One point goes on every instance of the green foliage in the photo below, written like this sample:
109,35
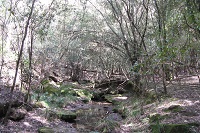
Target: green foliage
67,91
136,67
45,81
85,94
54,100
121,109
150,97
50,89
61,96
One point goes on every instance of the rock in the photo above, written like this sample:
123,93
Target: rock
67,116
50,89
85,100
84,81
114,99
67,90
41,104
29,107
188,113
108,83
98,95
173,128
17,114
114,117
157,117
84,94
17,103
174,109
45,130
3,108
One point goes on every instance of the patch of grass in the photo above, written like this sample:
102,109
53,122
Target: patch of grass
173,128
106,126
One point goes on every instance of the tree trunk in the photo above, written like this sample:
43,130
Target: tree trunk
18,62
164,79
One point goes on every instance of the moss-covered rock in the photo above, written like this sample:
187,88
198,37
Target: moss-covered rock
69,89
50,89
45,130
114,99
41,104
173,128
85,95
67,116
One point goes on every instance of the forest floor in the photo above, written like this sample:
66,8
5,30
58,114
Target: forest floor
98,115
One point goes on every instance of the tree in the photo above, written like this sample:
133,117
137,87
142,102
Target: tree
127,21
18,61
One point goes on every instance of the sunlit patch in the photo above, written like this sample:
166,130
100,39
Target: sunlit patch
178,102
188,103
27,124
38,118
121,98
128,125
102,103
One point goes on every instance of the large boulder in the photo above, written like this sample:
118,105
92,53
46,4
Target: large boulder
17,114
5,95
115,99
65,115
49,87
4,106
